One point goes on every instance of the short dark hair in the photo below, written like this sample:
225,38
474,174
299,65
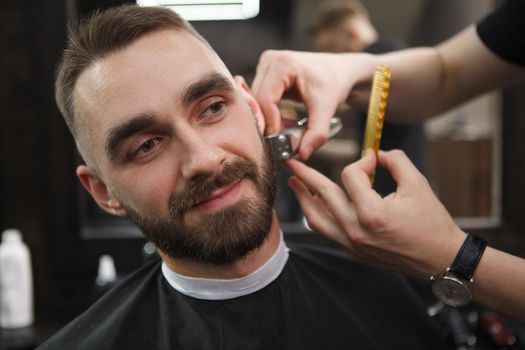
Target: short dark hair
98,35
334,13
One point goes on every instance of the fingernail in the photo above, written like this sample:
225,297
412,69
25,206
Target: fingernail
308,150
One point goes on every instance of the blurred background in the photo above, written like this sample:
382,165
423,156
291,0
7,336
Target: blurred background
474,156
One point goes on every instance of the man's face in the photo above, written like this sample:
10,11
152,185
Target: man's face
175,143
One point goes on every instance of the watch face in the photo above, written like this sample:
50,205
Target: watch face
452,291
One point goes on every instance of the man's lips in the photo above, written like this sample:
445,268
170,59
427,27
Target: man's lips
220,197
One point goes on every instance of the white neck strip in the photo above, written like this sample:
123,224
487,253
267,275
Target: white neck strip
222,289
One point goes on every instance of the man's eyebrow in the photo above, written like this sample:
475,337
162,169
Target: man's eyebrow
209,83
121,132
193,92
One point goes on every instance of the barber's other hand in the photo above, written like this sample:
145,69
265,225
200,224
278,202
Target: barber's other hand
322,81
408,231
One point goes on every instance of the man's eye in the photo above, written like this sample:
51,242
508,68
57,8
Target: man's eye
144,149
214,110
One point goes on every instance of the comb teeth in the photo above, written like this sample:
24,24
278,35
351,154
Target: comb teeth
376,110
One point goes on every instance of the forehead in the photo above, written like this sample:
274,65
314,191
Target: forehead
149,73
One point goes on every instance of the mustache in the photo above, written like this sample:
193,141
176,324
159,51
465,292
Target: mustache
203,186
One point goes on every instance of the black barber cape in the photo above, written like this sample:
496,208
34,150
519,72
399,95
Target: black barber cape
321,300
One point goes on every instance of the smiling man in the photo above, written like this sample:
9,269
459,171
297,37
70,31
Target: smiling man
173,141
162,150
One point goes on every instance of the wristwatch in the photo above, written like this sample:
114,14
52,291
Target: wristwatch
453,286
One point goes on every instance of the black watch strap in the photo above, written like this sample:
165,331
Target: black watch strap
468,257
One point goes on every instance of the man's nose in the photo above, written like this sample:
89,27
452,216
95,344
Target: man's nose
201,157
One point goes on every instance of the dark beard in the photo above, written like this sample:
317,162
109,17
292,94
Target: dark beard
225,236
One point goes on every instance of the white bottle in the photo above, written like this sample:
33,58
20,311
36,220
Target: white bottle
16,284
106,270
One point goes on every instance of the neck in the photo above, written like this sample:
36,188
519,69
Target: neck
364,33
369,38
237,269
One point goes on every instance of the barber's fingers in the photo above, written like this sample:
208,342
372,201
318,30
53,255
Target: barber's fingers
267,93
319,115
403,171
273,77
272,117
260,72
317,215
356,178
330,193
356,181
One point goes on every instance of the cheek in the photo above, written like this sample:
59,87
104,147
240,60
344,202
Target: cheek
249,146
147,189
240,135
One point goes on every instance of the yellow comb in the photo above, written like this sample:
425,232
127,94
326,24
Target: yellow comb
376,110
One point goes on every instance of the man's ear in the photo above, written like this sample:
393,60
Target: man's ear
100,192
254,106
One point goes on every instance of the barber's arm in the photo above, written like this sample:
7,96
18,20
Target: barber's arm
408,231
428,81
425,81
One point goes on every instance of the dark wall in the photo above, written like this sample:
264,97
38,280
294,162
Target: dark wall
36,181
514,167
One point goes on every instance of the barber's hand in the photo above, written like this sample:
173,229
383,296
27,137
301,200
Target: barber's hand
322,81
408,231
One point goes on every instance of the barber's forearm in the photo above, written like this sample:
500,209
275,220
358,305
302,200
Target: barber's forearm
428,81
499,279
417,84
499,283
420,86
